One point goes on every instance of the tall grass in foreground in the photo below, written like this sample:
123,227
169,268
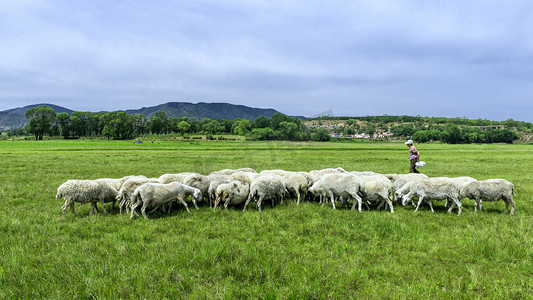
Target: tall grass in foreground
288,251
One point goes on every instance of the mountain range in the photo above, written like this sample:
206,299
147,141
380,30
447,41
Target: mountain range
14,118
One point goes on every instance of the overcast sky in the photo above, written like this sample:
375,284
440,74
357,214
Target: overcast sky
449,58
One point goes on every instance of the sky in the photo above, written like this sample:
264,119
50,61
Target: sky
470,59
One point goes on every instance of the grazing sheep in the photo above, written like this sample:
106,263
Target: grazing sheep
400,180
126,191
179,177
265,187
234,192
243,176
118,182
490,190
297,184
153,194
377,188
84,191
437,188
344,185
216,180
200,182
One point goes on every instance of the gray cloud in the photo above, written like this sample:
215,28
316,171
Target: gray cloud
429,58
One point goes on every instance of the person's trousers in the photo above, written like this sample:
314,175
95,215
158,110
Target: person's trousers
412,167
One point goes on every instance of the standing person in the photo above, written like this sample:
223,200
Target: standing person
414,157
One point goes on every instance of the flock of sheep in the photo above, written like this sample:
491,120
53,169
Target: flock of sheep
244,185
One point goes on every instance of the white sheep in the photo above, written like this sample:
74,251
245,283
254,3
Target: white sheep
247,177
297,184
216,180
437,188
377,188
344,185
126,191
400,180
265,187
155,194
234,192
200,182
85,191
118,182
490,190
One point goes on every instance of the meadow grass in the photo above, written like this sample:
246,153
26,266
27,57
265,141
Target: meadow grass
288,251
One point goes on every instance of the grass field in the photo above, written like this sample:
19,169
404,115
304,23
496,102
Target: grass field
288,251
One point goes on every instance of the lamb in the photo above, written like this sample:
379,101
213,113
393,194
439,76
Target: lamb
84,191
265,187
234,192
151,194
439,188
341,185
179,177
490,190
377,188
297,184
127,189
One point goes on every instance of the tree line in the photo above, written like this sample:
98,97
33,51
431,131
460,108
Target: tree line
43,120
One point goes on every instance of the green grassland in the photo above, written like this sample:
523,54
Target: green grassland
288,251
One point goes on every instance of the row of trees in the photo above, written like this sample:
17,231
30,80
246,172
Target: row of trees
454,134
119,125
418,120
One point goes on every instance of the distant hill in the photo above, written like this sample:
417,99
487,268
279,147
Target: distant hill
14,118
202,110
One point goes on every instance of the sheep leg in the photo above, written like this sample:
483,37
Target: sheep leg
143,210
389,202
419,202
217,201
93,205
247,201
431,205
226,203
180,199
459,206
332,200
103,206
380,204
512,203
134,206
259,201
298,194
71,206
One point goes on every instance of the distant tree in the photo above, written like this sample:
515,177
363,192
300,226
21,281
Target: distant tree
184,127
212,127
159,123
288,131
322,135
63,121
241,127
41,119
